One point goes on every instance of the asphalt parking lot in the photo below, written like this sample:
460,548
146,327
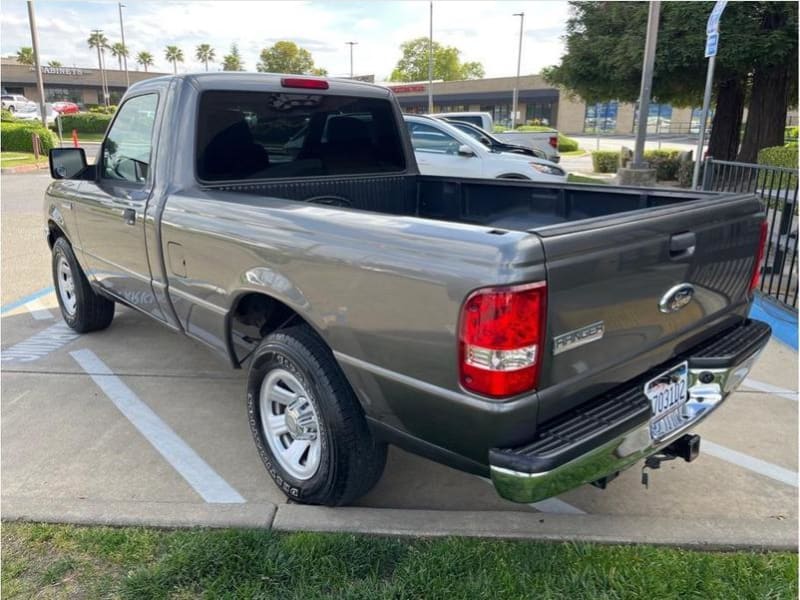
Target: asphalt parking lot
137,424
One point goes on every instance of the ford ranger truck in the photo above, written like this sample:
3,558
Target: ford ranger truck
547,335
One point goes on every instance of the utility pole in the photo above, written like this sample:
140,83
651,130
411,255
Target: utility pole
515,100
430,63
36,63
351,44
124,56
646,89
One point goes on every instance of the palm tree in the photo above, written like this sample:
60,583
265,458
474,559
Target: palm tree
145,59
99,41
174,55
25,55
119,51
205,53
54,63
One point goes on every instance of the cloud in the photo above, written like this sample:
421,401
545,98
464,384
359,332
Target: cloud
483,31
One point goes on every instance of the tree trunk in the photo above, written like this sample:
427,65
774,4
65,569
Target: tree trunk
727,121
766,114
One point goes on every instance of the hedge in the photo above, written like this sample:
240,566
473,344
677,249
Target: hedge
566,144
665,162
605,161
102,109
7,116
85,123
16,137
778,156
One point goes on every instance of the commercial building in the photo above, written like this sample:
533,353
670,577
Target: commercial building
74,84
540,103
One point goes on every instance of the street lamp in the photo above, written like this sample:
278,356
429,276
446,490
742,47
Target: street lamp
124,47
37,64
351,44
515,100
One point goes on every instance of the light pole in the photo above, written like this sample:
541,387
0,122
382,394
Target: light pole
351,44
647,83
124,47
514,102
36,63
430,63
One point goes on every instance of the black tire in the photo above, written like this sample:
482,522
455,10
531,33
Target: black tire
11,108
92,311
351,460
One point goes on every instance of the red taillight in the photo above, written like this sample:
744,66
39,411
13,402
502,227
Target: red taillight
302,82
554,141
760,252
501,338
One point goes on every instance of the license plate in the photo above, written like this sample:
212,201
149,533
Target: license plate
667,393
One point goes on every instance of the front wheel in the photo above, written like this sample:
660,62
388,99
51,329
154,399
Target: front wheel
81,307
307,423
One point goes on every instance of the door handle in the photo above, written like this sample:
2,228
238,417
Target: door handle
129,215
682,245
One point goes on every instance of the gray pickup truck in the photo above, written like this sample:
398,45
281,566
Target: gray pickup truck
546,335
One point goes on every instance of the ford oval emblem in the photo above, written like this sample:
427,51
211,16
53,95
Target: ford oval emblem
676,298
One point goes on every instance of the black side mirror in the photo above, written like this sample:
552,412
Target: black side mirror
67,163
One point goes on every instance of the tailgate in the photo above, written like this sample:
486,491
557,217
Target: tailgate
618,276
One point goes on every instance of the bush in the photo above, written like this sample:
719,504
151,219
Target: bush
566,144
685,173
16,136
102,109
500,129
7,116
85,123
665,162
790,135
778,156
605,161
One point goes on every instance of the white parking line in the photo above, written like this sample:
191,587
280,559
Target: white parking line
770,389
551,505
750,463
38,310
188,464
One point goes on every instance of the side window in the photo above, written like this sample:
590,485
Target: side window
425,138
126,150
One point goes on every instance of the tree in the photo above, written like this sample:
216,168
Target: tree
287,57
25,55
54,63
605,45
447,65
119,51
145,59
174,55
204,53
233,61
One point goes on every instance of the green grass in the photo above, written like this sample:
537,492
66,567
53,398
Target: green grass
572,178
16,159
55,561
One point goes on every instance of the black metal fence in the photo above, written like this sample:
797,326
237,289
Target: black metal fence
777,186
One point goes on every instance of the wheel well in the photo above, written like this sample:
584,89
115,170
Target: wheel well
254,317
512,176
54,232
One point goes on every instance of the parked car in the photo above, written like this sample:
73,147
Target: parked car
479,119
66,108
15,102
544,333
442,149
491,142
32,112
546,141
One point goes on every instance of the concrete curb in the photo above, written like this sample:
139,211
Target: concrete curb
695,533
23,169
149,514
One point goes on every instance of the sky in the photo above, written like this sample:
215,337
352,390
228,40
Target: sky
483,31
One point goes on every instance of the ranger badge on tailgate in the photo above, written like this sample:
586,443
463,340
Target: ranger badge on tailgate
578,337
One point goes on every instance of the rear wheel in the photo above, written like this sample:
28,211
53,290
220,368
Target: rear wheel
307,423
11,108
82,309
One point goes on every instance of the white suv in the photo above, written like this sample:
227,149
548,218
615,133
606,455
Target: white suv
14,102
443,150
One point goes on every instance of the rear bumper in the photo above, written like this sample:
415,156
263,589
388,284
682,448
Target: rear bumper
612,432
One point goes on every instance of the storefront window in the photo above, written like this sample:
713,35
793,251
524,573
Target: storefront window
601,117
63,94
694,126
446,108
659,118
501,113
541,113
